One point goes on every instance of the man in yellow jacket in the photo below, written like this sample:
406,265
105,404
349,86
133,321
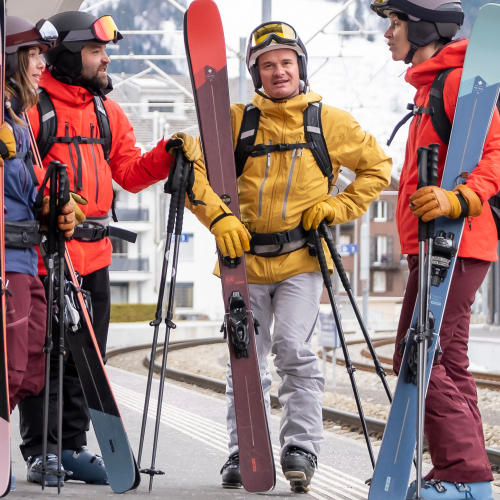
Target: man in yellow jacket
285,191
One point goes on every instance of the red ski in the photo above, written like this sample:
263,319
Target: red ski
206,53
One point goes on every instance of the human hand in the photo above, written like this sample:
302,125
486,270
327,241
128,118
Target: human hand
7,141
190,146
316,214
231,236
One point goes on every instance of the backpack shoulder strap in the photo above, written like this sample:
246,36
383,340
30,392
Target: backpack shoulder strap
439,118
104,127
314,135
246,137
48,122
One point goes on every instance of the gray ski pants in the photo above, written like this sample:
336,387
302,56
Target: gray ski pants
293,304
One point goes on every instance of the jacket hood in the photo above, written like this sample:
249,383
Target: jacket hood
451,55
71,94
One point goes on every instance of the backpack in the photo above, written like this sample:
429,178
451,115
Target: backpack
48,127
245,146
442,126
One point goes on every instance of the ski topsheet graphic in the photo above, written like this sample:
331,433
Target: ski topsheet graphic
477,99
206,52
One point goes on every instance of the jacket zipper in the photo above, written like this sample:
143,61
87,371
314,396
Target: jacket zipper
266,175
75,174
95,163
295,153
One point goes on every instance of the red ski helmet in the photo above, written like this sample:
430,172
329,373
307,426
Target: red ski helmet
20,33
428,20
271,36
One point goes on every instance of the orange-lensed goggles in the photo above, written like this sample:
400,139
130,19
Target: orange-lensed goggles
105,30
280,32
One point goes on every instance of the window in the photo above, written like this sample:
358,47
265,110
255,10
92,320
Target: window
379,211
162,106
119,293
381,250
119,246
379,281
184,295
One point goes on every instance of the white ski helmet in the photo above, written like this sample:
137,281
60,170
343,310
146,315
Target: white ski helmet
428,20
271,36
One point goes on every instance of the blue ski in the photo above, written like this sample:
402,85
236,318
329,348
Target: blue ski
477,97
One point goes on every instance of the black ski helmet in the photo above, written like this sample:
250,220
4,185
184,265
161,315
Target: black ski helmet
77,29
428,20
271,36
20,33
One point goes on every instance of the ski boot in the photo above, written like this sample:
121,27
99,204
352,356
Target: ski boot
298,467
231,477
444,490
85,466
34,472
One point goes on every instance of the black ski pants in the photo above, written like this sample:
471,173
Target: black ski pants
76,417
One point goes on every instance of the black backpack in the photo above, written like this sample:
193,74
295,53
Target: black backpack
48,127
313,130
442,126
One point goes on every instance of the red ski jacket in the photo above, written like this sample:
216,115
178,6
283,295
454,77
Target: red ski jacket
479,239
132,170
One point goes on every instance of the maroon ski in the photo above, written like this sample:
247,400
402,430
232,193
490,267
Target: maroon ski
206,53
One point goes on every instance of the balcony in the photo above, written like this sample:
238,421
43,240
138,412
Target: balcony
123,263
385,263
132,214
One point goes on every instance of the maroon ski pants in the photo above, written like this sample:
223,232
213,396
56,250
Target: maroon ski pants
453,426
26,318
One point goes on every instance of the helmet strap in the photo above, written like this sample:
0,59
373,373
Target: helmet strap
410,54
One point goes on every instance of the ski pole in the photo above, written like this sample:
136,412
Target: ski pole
62,199
51,246
427,175
176,186
348,363
327,235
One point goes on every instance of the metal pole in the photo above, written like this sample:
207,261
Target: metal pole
364,254
242,81
266,10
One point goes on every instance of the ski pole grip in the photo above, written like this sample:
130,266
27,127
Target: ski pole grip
62,185
184,166
433,163
325,232
172,187
422,166
321,259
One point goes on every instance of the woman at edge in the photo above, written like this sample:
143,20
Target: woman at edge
25,298
418,36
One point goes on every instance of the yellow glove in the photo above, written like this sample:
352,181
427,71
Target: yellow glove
77,200
430,202
7,141
190,146
316,214
66,219
231,236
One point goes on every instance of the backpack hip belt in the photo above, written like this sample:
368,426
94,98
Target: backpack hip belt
274,244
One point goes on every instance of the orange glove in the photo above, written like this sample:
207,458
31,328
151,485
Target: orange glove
316,214
430,202
231,236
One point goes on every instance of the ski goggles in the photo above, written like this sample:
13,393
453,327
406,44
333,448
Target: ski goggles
103,30
278,32
44,32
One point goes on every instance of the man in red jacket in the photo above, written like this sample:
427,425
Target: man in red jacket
418,35
76,74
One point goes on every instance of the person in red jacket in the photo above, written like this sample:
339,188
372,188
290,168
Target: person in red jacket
418,36
77,72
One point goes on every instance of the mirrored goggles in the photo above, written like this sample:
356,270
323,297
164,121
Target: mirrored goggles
43,32
47,30
279,32
103,30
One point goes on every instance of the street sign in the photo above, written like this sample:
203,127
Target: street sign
348,249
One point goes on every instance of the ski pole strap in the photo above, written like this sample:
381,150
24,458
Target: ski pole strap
94,230
22,234
273,244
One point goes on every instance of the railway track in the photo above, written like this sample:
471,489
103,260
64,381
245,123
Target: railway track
351,420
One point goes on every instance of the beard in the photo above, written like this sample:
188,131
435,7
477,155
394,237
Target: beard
95,80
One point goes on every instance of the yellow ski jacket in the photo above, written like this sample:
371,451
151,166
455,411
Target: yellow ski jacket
275,189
